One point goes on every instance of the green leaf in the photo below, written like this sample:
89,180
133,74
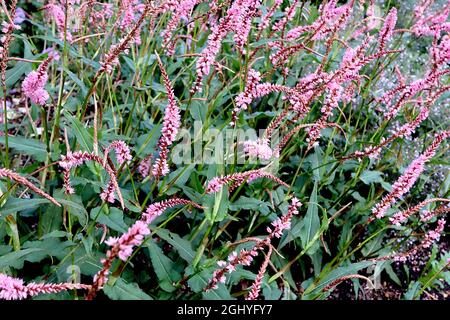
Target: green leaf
112,219
183,246
15,259
28,146
369,177
16,205
76,208
122,290
80,132
15,73
338,273
77,80
412,290
216,205
247,203
311,222
164,267
52,247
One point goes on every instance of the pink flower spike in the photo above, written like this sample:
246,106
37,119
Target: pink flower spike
34,83
14,288
388,29
409,177
170,128
121,149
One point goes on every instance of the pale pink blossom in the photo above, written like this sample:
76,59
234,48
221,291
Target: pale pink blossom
15,289
121,149
75,159
235,179
409,177
170,128
34,83
133,237
388,29
259,149
433,236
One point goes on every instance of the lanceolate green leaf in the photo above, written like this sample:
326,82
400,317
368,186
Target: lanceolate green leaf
164,267
184,247
28,146
15,259
122,290
311,222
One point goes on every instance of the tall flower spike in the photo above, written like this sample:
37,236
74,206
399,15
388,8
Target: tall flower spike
122,247
111,59
256,286
171,125
246,97
57,13
402,216
75,159
235,179
14,288
409,177
145,167
180,10
388,29
34,83
6,173
404,131
156,209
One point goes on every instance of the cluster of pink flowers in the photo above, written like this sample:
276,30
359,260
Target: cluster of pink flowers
170,128
406,92
433,235
331,19
441,53
133,237
265,19
145,166
433,24
246,257
156,209
180,10
34,83
388,28
121,149
402,216
128,9
14,288
259,149
246,97
289,14
405,130
237,19
409,177
236,179
111,59
57,13
427,215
